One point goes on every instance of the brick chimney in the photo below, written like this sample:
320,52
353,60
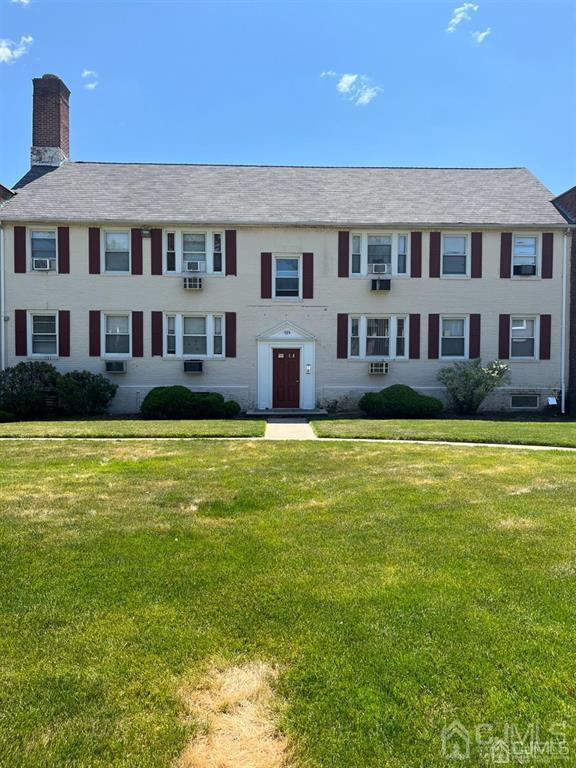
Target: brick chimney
50,123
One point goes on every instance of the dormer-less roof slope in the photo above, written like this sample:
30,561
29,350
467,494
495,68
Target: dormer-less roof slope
150,194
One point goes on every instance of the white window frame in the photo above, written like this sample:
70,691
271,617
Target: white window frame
466,355
298,258
463,275
179,333
115,355
30,333
392,336
364,253
111,231
536,355
538,256
179,233
31,257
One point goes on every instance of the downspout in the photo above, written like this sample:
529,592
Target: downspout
563,329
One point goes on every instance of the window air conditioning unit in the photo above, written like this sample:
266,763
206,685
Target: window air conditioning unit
380,269
378,368
193,366
115,366
525,269
41,265
380,284
194,266
193,283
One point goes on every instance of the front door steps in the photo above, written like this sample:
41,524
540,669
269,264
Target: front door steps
287,413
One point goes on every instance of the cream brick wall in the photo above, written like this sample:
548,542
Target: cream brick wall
336,380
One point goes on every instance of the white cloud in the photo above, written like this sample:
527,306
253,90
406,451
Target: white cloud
462,13
354,87
11,51
479,37
21,2
92,78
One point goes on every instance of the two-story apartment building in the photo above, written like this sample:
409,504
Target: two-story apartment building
281,287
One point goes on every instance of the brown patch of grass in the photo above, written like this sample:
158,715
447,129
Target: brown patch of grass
235,705
517,523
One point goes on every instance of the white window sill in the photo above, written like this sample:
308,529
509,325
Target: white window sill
526,360
42,271
454,277
180,358
115,273
451,358
525,277
43,357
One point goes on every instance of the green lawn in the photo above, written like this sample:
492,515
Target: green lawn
398,587
134,428
460,430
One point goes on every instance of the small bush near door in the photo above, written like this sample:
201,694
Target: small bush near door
179,402
400,401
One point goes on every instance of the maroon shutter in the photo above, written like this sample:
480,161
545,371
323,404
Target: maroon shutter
307,275
157,322
266,275
137,334
505,254
476,256
156,251
342,336
64,333
545,336
94,251
435,254
547,255
414,334
20,249
230,246
433,336
136,236
94,331
230,330
63,250
474,341
343,254
416,254
20,333
504,337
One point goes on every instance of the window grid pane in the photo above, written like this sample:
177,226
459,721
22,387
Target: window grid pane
44,338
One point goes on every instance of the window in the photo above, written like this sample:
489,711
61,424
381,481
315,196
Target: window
522,340
171,252
193,252
287,278
453,341
43,250
525,402
44,335
116,252
525,256
454,254
194,335
117,334
378,254
186,252
377,337
401,337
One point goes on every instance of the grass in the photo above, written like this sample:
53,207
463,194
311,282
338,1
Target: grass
396,587
134,428
459,430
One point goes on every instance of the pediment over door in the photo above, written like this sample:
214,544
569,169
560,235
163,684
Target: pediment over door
286,331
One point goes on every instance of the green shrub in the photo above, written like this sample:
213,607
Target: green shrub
6,417
82,393
179,402
469,383
25,388
400,402
231,409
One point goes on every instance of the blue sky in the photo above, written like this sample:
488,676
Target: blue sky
241,82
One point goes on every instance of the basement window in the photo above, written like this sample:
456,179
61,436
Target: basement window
525,402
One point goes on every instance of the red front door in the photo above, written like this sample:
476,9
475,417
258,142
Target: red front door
285,378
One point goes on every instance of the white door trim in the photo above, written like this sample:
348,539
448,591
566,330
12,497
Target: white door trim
285,337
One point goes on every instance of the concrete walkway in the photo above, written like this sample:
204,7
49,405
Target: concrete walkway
289,429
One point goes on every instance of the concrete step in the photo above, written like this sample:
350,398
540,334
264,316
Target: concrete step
288,413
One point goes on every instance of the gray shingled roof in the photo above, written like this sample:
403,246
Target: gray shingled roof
151,194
